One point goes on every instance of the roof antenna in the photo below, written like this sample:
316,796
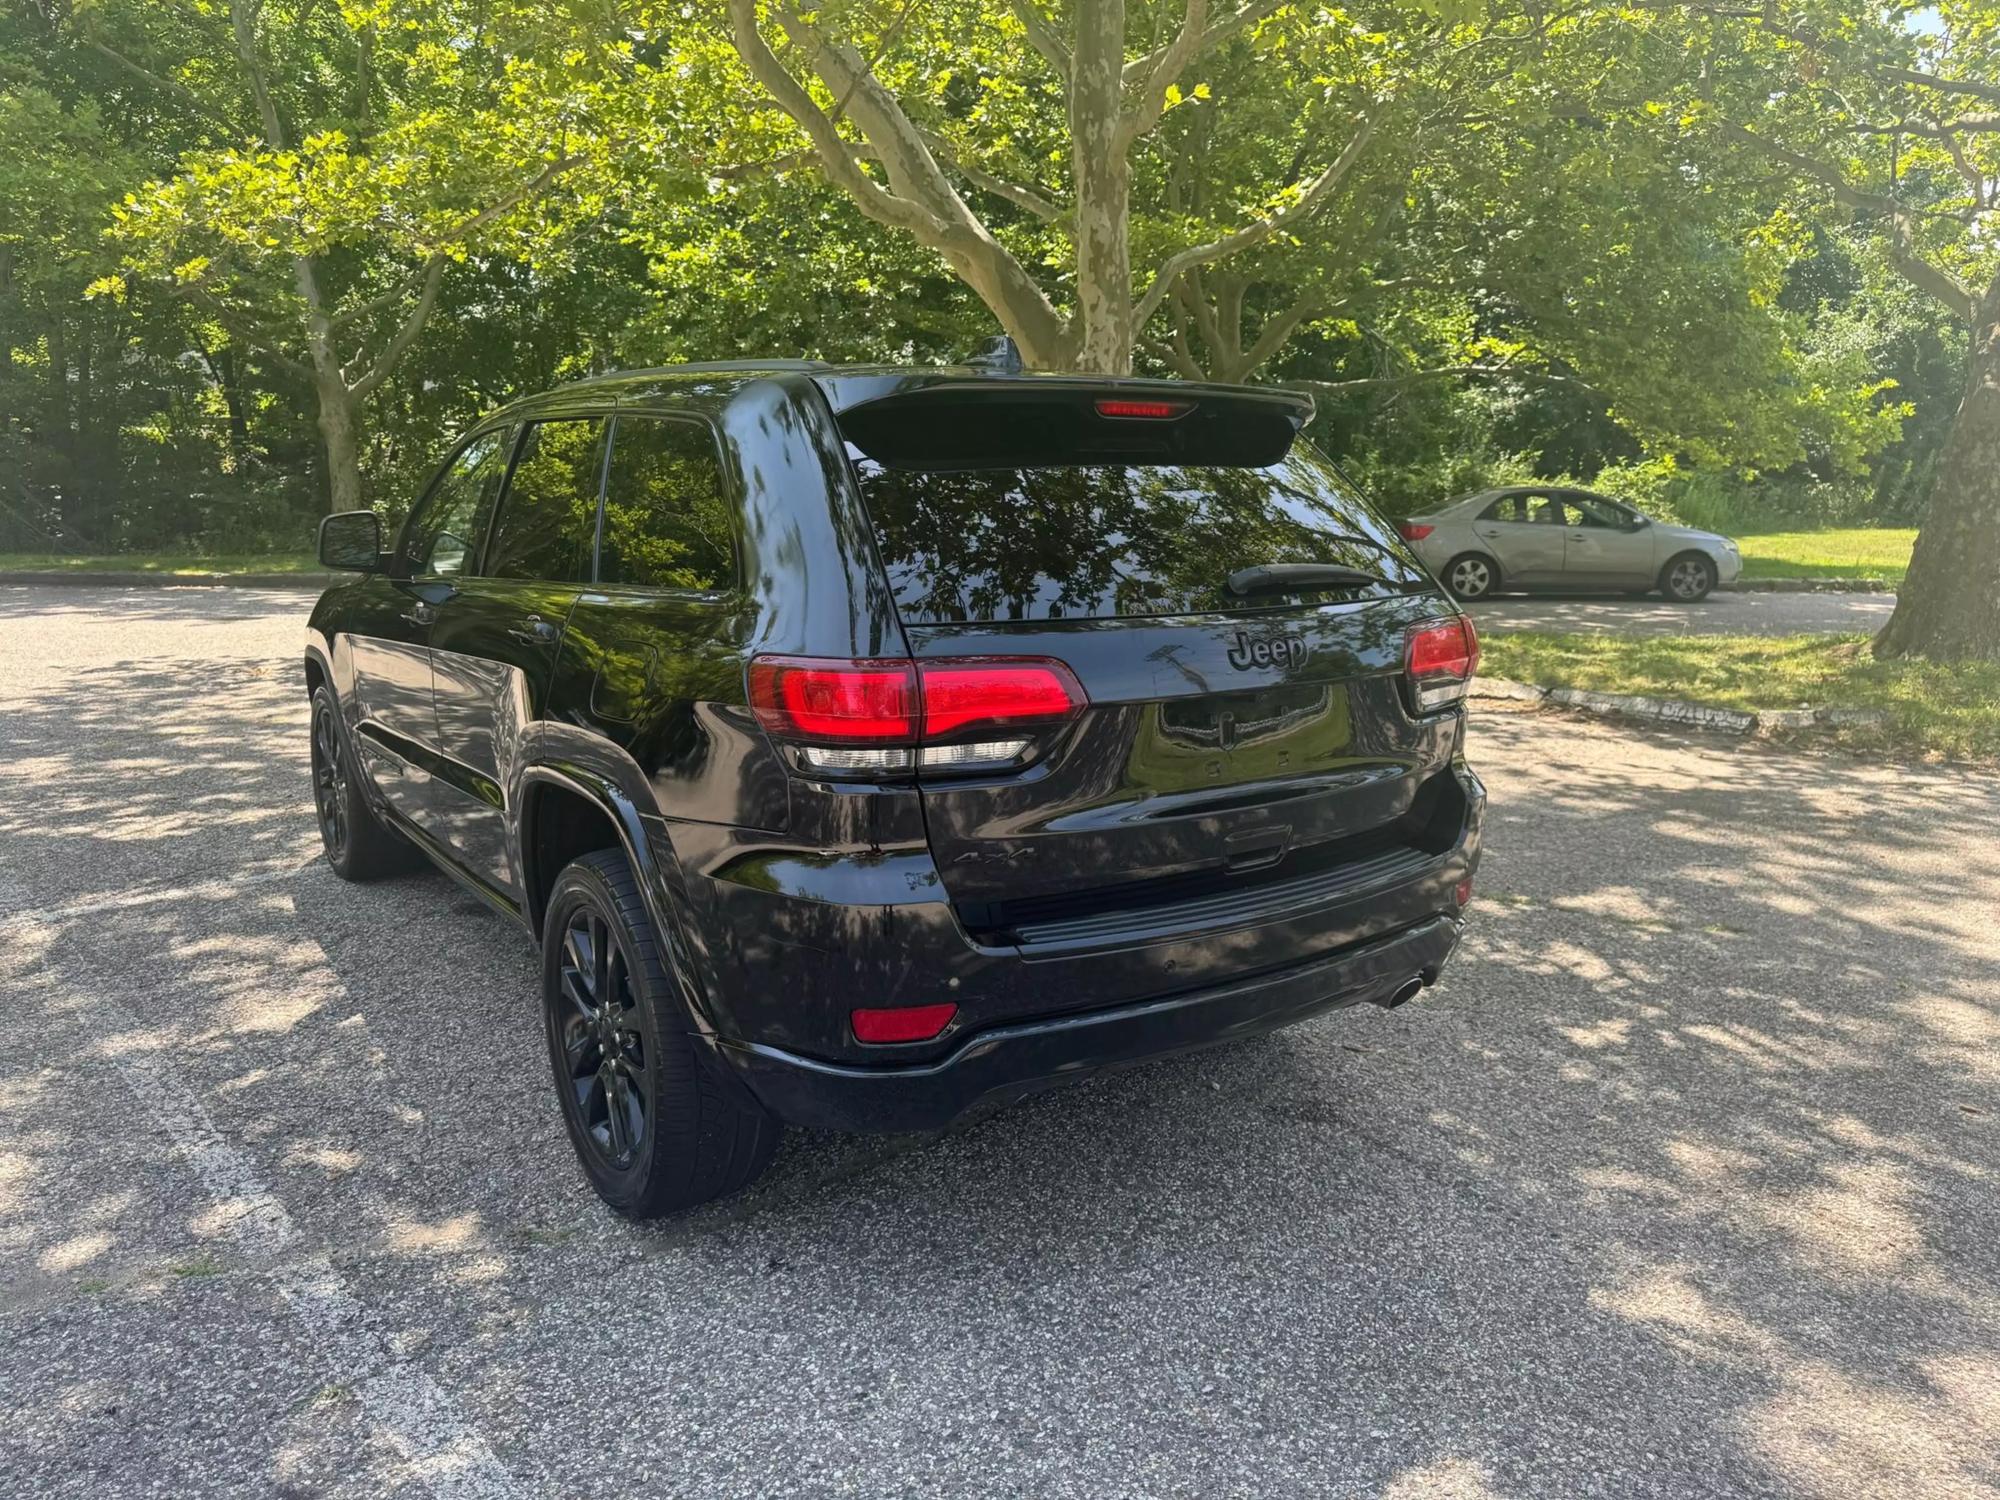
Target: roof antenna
998,354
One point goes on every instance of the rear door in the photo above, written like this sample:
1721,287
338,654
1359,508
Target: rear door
1526,532
495,642
1228,739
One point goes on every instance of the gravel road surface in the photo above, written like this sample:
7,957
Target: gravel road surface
1683,1184
1718,614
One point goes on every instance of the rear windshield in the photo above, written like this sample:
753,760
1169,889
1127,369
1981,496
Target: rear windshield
1098,541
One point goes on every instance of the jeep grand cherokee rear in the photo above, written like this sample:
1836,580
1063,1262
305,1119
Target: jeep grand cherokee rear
870,747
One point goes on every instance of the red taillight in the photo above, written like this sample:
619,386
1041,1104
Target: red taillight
1441,657
844,702
1412,532
995,693
962,713
905,1023
1463,893
1110,406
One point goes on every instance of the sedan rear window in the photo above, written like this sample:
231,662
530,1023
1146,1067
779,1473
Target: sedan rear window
1100,541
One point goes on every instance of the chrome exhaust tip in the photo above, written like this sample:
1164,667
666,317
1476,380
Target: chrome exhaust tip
1405,992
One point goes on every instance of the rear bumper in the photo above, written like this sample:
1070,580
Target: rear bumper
995,1067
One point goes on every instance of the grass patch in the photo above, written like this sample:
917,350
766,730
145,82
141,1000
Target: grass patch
160,562
1936,709
1854,552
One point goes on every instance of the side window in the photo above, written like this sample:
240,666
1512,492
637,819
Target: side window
548,516
666,508
1588,510
1506,508
443,535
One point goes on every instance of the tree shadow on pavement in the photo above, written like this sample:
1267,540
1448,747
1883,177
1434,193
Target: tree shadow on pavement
1681,1184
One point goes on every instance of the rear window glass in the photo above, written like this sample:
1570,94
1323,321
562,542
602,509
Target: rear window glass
1096,541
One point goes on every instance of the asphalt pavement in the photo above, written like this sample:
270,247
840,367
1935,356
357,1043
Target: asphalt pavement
1681,1184
1718,614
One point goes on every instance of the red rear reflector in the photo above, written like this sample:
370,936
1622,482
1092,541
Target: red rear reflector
1121,407
1464,892
1444,648
907,1023
995,691
837,701
1413,532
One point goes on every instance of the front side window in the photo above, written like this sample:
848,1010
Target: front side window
548,517
666,509
1588,510
443,535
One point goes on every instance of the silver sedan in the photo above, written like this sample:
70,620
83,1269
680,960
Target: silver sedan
1538,537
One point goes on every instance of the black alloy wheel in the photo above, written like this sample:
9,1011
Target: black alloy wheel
331,786
604,1044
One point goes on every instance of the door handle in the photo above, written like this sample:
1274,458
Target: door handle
420,613
534,631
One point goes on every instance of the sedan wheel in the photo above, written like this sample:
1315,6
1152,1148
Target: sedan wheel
1688,579
1470,576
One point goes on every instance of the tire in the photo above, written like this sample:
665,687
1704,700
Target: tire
656,1128
1687,579
1471,575
358,844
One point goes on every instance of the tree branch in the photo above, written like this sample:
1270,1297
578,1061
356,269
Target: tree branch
165,85
1042,37
1933,129
836,157
1926,277
378,371
263,340
1518,372
1256,232
1045,209
1221,31
1277,329
1173,60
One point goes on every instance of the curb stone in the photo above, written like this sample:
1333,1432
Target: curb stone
312,581
1675,711
1810,586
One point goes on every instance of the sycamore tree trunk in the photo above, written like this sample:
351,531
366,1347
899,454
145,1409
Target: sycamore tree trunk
1949,606
1103,177
340,436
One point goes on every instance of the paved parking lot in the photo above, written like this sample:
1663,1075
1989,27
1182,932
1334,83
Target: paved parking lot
1718,614
1683,1183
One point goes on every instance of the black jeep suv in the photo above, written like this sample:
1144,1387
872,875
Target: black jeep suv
871,746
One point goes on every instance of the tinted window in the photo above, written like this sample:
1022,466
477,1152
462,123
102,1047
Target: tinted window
1082,542
666,511
548,517
444,533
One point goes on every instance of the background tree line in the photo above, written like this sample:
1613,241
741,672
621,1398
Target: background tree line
261,257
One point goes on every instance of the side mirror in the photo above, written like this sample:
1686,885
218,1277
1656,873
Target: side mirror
351,540
1638,523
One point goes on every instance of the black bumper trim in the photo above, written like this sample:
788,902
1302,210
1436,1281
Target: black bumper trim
995,1067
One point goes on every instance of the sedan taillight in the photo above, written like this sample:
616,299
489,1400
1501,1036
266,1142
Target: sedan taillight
881,717
1440,658
1413,531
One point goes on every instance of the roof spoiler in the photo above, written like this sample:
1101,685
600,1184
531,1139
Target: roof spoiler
1047,421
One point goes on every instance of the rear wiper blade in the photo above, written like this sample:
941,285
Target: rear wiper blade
1289,578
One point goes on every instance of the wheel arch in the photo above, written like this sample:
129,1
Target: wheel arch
616,820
